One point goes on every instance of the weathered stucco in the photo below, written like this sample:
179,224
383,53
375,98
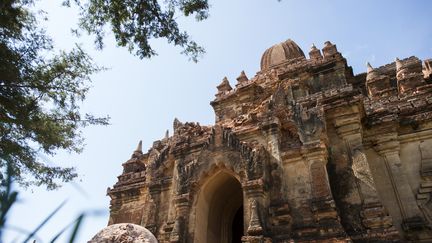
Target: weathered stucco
304,151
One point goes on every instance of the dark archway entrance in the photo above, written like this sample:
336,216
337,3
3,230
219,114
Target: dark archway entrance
219,210
237,226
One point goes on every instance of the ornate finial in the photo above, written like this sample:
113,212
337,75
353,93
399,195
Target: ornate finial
138,151
176,124
329,50
255,227
167,134
315,53
242,77
139,147
369,67
224,86
371,72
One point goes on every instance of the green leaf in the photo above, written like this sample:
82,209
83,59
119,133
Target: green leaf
44,221
78,223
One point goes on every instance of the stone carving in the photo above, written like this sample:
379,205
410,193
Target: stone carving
281,138
256,160
278,99
319,180
361,170
185,172
156,156
309,123
255,227
255,156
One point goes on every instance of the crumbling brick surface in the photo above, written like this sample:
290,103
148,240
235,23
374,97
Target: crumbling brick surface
320,153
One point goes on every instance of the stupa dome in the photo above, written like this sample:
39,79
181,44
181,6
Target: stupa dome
279,53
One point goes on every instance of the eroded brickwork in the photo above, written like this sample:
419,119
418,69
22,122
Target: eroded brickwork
306,150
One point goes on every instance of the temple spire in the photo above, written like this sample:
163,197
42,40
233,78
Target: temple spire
176,124
242,78
329,50
138,151
139,147
372,73
223,87
369,67
315,53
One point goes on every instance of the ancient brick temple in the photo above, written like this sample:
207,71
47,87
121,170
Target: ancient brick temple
305,151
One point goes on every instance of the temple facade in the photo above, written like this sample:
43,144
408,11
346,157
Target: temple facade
305,151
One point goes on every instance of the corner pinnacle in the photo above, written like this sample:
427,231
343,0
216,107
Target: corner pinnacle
139,147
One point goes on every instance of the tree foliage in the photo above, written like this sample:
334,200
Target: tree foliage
135,22
41,89
40,93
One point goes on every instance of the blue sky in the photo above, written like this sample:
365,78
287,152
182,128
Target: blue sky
144,96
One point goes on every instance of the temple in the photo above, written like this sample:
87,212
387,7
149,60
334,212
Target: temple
305,151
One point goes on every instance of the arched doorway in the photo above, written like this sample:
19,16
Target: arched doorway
219,210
